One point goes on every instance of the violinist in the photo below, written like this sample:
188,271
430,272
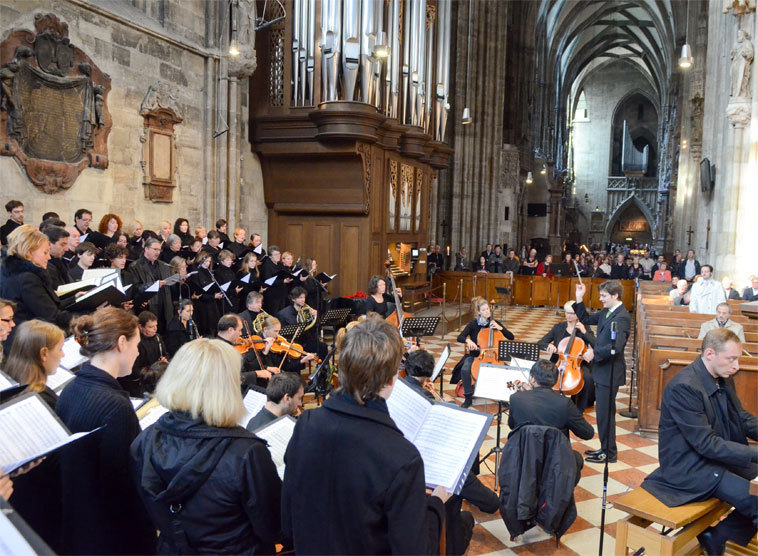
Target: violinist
273,352
297,312
284,395
230,331
462,371
550,341
541,405
378,301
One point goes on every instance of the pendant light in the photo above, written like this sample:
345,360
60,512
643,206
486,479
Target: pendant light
686,60
466,112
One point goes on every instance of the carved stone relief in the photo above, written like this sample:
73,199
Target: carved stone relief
54,117
738,110
739,7
159,158
244,64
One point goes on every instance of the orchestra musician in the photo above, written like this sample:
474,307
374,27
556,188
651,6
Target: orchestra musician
181,329
251,315
379,301
297,312
550,341
151,349
381,474
462,372
274,360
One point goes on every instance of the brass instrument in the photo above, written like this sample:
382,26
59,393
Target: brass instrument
305,318
258,322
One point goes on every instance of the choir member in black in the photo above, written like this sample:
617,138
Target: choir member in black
462,371
181,229
164,230
144,272
15,219
122,240
249,276
86,253
108,230
206,296
102,512
190,254
550,341
255,245
284,394
181,289
315,289
171,248
272,359
212,246
135,240
275,297
181,329
221,229
237,246
225,274
197,456
541,405
116,257
36,353
151,349
289,315
57,268
379,301
254,307
382,473
82,220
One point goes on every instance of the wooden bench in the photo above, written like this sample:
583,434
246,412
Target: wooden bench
684,524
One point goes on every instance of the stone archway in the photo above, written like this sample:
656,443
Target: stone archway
630,222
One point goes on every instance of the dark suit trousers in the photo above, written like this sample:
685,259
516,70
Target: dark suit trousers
606,418
740,525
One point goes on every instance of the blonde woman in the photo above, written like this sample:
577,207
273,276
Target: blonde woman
208,484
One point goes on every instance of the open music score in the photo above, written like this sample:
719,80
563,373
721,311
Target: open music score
277,434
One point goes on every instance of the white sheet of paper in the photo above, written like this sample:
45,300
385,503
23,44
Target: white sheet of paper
524,364
492,382
59,378
408,409
278,434
72,357
136,402
12,543
258,250
6,382
152,416
154,287
440,363
225,287
83,237
221,245
28,430
100,275
253,402
246,279
270,281
207,287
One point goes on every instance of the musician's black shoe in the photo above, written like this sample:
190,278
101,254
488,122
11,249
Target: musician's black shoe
600,458
468,401
712,543
593,452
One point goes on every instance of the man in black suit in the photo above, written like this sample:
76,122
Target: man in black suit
751,292
619,270
289,316
609,368
702,445
543,406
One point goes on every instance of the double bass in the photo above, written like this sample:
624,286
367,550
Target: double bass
570,352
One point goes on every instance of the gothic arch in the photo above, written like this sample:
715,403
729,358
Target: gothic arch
631,200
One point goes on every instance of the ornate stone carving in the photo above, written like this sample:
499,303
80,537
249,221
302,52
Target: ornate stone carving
431,15
159,158
418,191
244,64
54,116
364,149
739,7
742,60
696,127
738,111
393,193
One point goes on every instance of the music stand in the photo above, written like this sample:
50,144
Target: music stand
522,350
419,326
319,382
288,331
335,319
502,293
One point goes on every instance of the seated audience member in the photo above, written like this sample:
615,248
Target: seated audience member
86,253
529,266
511,264
24,280
544,268
707,293
36,353
461,260
382,481
102,513
15,219
543,406
181,329
481,266
151,349
751,292
690,268
703,449
722,320
729,291
284,393
619,270
496,261
662,274
197,459
680,295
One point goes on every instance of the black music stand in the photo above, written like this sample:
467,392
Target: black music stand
502,294
288,331
335,319
419,326
522,350
320,383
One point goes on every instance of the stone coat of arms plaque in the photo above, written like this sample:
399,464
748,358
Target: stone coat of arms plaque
54,117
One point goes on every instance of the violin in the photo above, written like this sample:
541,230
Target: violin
291,349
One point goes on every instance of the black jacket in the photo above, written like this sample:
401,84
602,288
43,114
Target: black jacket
537,477
223,479
102,513
59,273
560,331
6,229
605,365
144,274
619,271
176,335
28,286
275,297
694,444
544,406
375,504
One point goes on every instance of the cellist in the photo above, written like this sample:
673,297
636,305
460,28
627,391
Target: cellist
481,308
550,341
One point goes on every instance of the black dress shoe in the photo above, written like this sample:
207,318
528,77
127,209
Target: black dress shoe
593,452
599,458
711,542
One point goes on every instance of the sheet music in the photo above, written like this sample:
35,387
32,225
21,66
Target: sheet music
72,357
59,379
6,382
208,286
524,364
253,402
258,250
408,409
246,279
12,542
100,275
152,416
83,237
225,287
447,435
270,281
440,363
154,287
63,289
136,402
492,382
278,434
28,430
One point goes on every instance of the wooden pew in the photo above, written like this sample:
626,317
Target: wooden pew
687,344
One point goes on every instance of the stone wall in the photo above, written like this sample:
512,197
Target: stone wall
139,44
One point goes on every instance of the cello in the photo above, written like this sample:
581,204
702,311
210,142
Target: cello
570,352
488,339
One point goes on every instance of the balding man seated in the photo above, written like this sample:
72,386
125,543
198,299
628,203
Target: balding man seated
722,320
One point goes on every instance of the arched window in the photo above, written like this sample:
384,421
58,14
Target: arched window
582,114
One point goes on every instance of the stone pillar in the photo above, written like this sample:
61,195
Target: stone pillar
554,233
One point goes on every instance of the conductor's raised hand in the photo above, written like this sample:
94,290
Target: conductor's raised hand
581,289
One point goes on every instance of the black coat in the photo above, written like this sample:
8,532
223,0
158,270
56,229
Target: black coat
144,274
544,406
537,478
176,335
375,503
222,478
102,513
605,365
6,229
619,271
275,297
59,272
206,306
28,286
694,446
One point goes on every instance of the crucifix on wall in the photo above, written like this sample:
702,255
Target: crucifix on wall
690,231
708,235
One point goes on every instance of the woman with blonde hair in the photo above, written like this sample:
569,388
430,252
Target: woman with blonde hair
209,485
25,281
101,512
